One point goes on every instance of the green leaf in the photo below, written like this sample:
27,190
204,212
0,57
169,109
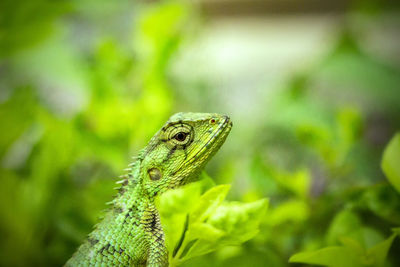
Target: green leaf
180,200
208,202
204,231
396,230
346,223
351,254
384,201
377,254
352,244
329,256
200,247
298,182
232,223
289,211
16,115
206,181
239,220
213,224
391,160
173,206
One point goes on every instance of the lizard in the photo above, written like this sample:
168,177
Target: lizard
130,234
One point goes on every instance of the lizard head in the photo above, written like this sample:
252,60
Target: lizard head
178,152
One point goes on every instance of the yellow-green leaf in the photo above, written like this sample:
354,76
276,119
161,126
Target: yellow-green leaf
239,220
204,231
208,202
377,254
391,162
329,256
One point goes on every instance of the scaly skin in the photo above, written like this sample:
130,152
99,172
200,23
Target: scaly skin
130,233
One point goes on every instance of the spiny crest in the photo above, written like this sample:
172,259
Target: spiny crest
129,175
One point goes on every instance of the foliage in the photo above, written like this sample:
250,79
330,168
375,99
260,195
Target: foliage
202,223
356,249
350,254
390,162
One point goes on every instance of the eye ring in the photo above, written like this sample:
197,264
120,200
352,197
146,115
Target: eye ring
181,136
212,121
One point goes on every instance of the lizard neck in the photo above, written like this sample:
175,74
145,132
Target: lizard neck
127,230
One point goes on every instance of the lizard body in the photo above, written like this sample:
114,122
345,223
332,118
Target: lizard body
130,233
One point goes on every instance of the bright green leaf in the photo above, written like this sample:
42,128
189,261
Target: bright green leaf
391,160
371,237
173,206
200,247
179,200
352,244
345,223
239,220
298,182
204,231
377,254
329,256
351,254
289,211
208,202
214,224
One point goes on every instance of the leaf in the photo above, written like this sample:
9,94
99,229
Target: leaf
349,125
371,237
204,231
214,224
352,244
239,220
16,115
345,223
200,247
396,230
206,181
351,254
179,200
377,254
202,238
173,206
329,256
384,201
298,182
289,211
208,202
390,162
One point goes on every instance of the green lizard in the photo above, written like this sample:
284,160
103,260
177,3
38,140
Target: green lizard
130,233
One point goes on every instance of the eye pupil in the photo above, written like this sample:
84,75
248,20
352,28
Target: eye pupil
180,136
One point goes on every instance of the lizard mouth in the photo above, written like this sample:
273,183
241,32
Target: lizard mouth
215,141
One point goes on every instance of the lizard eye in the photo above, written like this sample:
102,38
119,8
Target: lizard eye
181,136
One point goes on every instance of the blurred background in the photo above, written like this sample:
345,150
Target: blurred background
313,89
